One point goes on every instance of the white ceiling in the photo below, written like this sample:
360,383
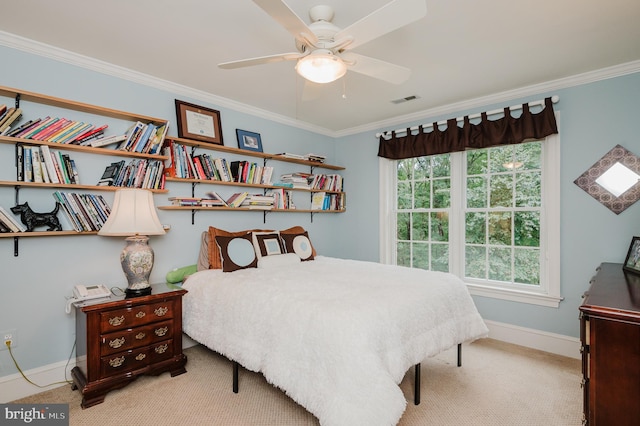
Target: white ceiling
462,49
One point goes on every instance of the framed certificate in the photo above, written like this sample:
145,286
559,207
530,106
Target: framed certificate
198,123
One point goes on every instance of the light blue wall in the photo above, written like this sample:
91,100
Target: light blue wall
35,283
593,119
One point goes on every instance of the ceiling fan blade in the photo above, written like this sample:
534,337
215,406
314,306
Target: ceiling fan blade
260,60
390,17
376,68
286,17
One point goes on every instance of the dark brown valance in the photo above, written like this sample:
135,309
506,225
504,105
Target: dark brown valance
487,133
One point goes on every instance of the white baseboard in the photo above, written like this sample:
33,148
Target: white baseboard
535,339
15,387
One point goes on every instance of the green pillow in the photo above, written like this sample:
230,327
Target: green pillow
179,274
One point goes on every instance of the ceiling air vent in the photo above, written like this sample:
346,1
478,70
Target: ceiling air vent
406,99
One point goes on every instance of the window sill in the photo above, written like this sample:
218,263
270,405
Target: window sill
515,296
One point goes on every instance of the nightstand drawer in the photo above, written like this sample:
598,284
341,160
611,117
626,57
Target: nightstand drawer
123,362
119,319
133,338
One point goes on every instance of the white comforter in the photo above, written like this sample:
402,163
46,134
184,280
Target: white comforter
336,335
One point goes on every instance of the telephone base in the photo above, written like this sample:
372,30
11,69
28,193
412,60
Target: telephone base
130,292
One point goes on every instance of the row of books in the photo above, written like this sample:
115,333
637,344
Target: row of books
145,138
330,182
183,164
308,157
57,130
8,223
41,164
322,182
86,212
8,116
138,173
327,201
238,199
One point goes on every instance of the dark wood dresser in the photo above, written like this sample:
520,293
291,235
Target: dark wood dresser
610,336
119,339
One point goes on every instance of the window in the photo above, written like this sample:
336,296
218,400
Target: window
490,216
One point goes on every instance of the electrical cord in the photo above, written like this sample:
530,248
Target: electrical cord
15,362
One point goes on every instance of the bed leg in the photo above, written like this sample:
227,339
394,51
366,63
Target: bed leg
235,376
416,391
459,354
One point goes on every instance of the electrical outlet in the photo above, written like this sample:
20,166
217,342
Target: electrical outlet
8,335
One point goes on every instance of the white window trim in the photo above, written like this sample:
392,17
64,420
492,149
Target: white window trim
549,296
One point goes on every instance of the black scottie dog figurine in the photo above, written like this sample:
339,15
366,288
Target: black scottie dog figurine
32,219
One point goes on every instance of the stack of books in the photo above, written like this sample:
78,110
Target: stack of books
259,202
185,201
296,180
213,200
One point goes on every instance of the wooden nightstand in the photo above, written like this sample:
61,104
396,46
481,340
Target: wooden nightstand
119,339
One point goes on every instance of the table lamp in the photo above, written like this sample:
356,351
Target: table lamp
134,216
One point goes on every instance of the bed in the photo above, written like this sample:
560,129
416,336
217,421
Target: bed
336,335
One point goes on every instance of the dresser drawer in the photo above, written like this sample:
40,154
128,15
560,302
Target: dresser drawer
127,361
119,319
121,340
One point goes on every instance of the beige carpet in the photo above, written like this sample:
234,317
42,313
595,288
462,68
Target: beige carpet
498,384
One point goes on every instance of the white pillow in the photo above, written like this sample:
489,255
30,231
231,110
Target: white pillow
267,244
278,260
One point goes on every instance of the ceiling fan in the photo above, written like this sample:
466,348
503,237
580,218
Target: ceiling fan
324,50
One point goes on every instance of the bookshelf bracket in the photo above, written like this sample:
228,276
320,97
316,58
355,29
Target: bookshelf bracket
17,100
15,246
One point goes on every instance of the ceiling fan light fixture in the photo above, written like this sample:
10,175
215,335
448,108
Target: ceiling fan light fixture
323,67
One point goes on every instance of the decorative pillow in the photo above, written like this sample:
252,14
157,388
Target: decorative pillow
203,256
299,244
180,274
296,230
236,252
215,259
267,243
278,261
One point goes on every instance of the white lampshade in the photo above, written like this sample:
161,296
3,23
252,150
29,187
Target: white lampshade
134,216
321,67
133,213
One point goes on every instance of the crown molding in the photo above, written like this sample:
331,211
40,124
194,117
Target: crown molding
61,55
93,64
507,96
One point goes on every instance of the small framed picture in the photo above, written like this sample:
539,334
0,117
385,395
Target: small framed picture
198,123
632,262
249,140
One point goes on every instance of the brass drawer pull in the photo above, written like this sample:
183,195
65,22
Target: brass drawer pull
161,331
116,343
141,314
140,335
116,321
140,357
116,362
162,311
162,348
